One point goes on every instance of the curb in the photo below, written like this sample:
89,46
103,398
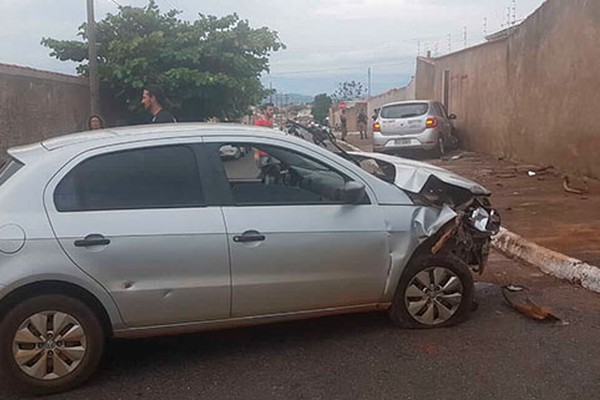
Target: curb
549,261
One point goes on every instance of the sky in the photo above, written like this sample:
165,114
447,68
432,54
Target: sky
328,41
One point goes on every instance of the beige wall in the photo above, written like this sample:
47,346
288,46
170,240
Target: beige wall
36,104
532,96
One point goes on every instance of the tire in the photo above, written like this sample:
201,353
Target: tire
82,344
418,305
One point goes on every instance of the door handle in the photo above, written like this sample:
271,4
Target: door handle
246,238
92,240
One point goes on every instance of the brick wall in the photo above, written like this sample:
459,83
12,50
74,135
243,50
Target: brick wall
35,105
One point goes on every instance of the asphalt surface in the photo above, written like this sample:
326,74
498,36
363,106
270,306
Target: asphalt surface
496,354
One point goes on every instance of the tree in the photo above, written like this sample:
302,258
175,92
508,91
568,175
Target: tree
208,67
320,108
348,91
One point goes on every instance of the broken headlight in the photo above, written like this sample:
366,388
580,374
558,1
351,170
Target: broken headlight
484,220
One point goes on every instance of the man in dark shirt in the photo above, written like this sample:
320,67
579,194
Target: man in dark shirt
152,99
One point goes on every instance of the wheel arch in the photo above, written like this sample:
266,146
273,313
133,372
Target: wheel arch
63,288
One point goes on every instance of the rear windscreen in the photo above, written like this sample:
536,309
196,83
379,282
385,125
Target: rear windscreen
404,110
8,169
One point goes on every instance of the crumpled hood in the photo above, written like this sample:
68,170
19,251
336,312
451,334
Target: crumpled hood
413,175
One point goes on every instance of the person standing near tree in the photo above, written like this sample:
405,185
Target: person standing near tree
152,100
266,119
95,122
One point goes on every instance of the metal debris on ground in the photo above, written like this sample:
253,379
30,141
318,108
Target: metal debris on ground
523,304
569,189
531,173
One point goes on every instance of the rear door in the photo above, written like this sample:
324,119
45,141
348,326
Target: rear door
137,221
403,119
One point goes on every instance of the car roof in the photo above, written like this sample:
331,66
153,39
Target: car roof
165,131
106,137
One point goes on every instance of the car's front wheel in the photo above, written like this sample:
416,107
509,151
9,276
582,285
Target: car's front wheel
50,344
434,291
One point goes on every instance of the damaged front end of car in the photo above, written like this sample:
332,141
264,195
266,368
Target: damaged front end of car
454,214
467,235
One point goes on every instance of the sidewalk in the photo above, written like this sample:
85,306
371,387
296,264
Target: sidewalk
535,207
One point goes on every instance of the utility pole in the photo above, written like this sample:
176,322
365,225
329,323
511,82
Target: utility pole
466,37
449,43
93,60
418,48
485,26
369,83
514,9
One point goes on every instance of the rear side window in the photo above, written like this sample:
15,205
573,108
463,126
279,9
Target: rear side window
404,110
158,177
9,169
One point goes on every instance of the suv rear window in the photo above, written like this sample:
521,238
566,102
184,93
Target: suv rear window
405,110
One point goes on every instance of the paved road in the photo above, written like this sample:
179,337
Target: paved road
497,354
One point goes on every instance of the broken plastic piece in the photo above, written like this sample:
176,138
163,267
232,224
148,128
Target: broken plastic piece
529,309
569,189
531,173
514,288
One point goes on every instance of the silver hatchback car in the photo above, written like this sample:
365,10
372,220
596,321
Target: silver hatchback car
145,231
413,125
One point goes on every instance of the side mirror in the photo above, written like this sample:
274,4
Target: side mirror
452,116
352,192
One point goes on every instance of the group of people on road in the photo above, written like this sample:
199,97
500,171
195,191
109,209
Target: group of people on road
152,100
361,120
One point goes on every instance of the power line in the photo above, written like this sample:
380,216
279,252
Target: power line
348,68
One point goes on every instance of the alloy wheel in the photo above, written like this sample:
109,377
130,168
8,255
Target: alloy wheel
49,345
433,296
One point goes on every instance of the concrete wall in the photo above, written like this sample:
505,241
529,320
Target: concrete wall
36,104
532,96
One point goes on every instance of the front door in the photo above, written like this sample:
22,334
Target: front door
294,245
136,220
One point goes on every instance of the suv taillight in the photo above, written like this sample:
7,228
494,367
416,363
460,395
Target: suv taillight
376,127
431,122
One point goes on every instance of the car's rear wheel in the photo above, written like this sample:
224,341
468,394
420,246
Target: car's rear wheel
434,291
50,344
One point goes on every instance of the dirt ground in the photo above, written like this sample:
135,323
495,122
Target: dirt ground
536,207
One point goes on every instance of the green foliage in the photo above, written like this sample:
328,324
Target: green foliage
208,67
320,108
349,91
